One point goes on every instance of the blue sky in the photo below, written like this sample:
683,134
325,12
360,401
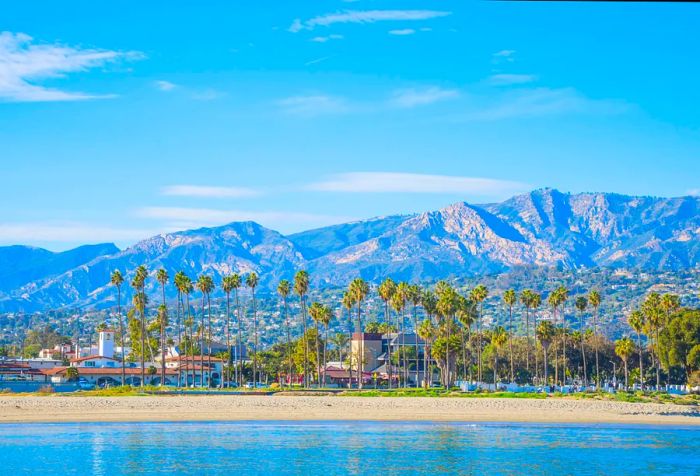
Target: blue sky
123,120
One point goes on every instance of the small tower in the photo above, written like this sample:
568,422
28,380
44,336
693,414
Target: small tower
105,345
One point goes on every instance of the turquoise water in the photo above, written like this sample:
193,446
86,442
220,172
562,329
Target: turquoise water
346,448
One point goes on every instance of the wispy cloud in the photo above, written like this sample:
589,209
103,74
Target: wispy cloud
407,98
165,85
208,94
313,105
693,192
502,56
199,191
67,232
317,60
398,182
538,102
366,16
402,32
508,79
24,63
323,39
181,218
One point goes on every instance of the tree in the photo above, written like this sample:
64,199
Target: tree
426,331
499,337
624,348
594,300
252,282
466,315
236,285
654,317
413,295
510,298
283,289
680,341
139,284
581,304
162,277
340,341
316,311
117,280
386,291
478,295
636,322
535,303
205,284
447,303
301,289
227,287
72,374
359,289
325,319
545,333
526,297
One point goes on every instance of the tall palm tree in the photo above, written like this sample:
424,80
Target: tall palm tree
205,284
478,295
359,289
236,285
227,288
117,280
398,304
447,308
301,289
349,303
581,304
636,322
595,300
340,340
386,291
624,348
510,298
545,333
535,303
187,288
162,277
179,286
653,310
563,294
414,297
316,313
426,331
252,282
499,337
526,300
138,283
326,317
283,289
466,315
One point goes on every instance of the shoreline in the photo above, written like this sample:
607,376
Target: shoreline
55,409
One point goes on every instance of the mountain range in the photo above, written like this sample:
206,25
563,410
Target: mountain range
541,228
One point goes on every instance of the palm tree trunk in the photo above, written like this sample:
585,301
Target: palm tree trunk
325,345
360,376
201,343
228,338
658,359
290,371
595,340
641,363
255,342
583,352
527,339
389,364
318,355
209,337
544,353
239,343
510,344
121,331
415,337
143,343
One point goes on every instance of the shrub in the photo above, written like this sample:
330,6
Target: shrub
46,390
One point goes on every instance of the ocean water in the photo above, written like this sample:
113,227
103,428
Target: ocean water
346,448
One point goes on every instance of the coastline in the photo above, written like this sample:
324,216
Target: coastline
56,408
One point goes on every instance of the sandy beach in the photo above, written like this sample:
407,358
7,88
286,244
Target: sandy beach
56,408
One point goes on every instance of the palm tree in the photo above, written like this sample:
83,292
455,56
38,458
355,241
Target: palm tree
301,289
636,322
283,289
653,310
447,308
187,288
117,280
581,304
139,283
535,303
386,291
359,289
624,348
227,288
252,281
205,284
510,298
594,300
426,331
398,304
162,278
179,284
340,341
414,297
526,300
466,315
349,303
498,340
478,295
326,317
545,333
235,285
316,312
